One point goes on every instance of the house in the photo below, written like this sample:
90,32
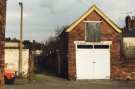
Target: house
128,47
91,47
2,39
12,58
129,38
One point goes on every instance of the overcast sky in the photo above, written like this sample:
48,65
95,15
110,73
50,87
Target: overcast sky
42,17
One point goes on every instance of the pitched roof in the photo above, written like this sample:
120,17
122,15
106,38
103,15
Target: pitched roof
129,33
94,8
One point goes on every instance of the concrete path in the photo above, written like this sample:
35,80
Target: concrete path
49,82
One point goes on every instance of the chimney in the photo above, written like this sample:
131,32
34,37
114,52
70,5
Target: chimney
133,22
128,23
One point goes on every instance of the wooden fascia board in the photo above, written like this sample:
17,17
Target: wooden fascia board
100,13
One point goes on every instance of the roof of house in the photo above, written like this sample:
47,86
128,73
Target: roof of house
94,8
129,33
12,45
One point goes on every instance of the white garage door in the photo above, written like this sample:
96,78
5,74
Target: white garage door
93,62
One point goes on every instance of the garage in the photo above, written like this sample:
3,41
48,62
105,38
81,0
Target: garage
90,48
93,61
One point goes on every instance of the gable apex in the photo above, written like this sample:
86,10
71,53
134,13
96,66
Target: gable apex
94,8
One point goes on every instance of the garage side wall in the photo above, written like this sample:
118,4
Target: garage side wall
63,54
2,38
107,34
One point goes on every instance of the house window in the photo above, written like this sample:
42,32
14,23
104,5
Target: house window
93,31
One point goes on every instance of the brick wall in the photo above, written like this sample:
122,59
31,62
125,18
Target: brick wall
2,38
107,34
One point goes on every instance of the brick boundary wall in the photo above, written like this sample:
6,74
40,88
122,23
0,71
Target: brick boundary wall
2,39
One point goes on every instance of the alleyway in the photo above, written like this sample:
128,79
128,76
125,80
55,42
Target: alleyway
49,82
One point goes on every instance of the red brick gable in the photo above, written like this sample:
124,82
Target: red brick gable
94,8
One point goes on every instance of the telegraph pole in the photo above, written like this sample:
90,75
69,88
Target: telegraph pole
21,41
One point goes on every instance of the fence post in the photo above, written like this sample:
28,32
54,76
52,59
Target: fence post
59,61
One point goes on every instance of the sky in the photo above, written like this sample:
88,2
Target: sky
43,17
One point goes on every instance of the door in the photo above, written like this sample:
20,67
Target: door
93,62
84,63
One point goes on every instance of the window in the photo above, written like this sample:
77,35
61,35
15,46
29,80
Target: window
93,31
85,46
101,46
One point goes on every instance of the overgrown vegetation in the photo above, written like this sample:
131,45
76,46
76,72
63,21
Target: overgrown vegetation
50,51
52,44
